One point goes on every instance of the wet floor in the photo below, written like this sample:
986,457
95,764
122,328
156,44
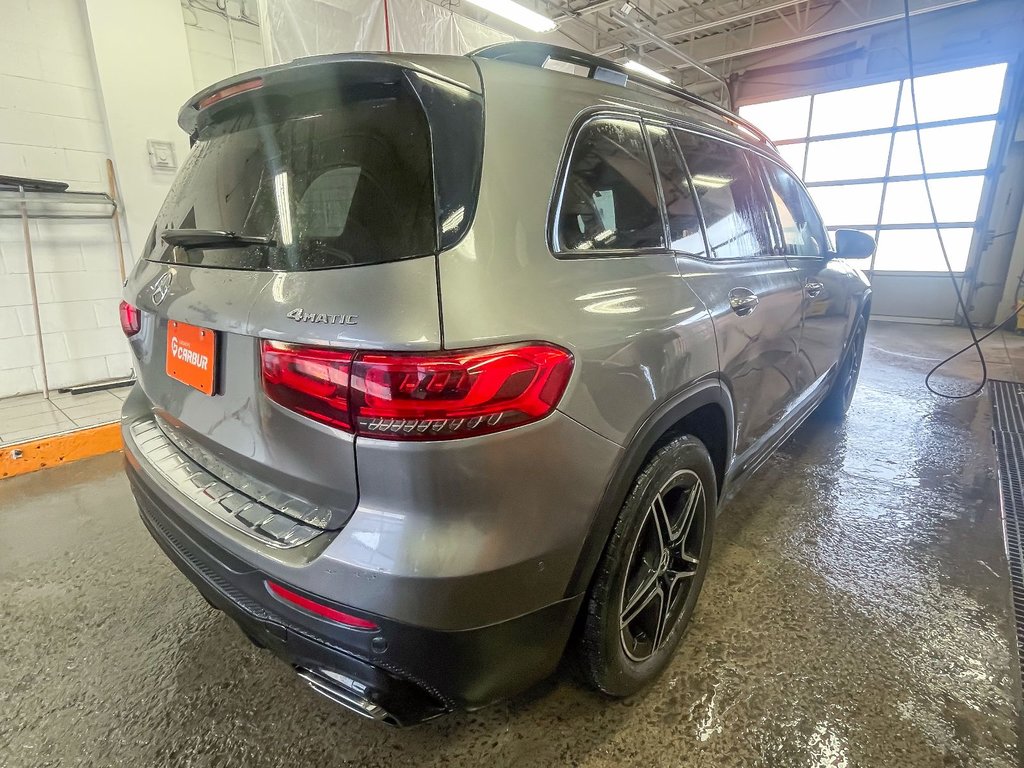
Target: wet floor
856,613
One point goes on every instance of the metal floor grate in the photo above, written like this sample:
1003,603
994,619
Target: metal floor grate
1008,436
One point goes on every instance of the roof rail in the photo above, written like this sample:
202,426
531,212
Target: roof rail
538,54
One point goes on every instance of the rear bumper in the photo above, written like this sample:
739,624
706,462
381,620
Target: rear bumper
401,674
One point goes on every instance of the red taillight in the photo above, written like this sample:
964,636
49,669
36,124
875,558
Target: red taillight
433,396
131,319
313,381
321,610
231,90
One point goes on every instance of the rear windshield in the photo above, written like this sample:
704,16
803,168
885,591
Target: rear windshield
334,178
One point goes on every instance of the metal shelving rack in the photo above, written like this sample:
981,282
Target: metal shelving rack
26,199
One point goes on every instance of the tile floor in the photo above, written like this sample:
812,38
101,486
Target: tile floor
31,416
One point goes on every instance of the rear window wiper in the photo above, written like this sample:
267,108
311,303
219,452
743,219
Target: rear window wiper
211,238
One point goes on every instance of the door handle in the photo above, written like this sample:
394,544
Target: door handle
813,288
743,301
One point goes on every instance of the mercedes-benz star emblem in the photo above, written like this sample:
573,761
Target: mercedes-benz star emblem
162,287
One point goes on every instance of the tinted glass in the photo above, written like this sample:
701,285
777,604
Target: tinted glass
610,201
802,230
345,181
731,198
683,218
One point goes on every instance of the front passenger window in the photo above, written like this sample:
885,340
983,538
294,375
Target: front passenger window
609,201
802,230
731,197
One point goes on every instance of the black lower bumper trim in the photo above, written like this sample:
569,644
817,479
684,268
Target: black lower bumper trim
403,674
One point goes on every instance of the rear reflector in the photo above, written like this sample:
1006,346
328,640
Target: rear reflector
323,611
432,396
131,319
231,90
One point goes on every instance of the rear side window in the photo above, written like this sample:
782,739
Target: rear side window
802,230
609,200
731,196
683,218
336,178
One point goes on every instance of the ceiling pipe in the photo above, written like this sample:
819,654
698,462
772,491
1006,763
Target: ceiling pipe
697,28
664,45
836,31
572,13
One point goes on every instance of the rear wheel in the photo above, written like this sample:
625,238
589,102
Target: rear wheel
651,573
837,402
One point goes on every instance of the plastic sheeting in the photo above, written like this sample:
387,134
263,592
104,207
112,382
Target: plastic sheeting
294,28
421,27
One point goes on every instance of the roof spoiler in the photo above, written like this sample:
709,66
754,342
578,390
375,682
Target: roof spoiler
598,68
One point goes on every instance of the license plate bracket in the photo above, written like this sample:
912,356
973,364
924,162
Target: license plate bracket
192,355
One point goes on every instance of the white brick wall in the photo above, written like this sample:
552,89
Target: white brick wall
51,126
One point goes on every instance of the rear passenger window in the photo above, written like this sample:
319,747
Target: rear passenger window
731,197
609,201
802,230
683,218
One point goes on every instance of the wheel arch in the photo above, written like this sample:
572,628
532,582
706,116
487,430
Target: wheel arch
705,411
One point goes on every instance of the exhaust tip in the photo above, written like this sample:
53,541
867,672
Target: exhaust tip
347,692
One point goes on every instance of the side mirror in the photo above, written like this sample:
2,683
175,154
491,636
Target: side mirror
851,244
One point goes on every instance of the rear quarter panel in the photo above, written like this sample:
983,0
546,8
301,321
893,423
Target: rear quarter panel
636,330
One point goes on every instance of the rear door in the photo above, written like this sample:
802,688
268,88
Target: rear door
333,168
753,294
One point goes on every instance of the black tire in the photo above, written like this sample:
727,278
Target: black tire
619,658
837,402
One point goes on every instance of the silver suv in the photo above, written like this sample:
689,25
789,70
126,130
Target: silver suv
445,363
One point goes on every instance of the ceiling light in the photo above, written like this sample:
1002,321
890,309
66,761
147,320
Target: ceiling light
517,13
640,69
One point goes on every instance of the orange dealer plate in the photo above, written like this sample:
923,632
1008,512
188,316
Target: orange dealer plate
192,355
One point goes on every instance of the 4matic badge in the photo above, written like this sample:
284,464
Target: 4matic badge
300,315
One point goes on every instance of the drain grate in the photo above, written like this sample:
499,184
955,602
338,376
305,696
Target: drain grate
1008,436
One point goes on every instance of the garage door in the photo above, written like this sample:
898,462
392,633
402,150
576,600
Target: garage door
857,151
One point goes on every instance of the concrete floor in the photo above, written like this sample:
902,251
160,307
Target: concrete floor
856,613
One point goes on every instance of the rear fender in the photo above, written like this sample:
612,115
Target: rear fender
636,453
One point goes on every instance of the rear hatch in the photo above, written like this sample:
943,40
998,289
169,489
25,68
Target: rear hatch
310,211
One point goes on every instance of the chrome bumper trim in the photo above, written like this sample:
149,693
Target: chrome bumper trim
227,504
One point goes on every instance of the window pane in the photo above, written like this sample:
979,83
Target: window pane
917,250
785,119
848,204
610,201
732,200
683,219
340,181
906,202
964,93
801,228
855,109
949,148
793,154
858,158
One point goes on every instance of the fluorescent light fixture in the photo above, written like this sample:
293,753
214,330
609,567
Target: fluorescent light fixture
517,13
708,181
640,69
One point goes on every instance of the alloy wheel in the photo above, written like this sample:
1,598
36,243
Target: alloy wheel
662,565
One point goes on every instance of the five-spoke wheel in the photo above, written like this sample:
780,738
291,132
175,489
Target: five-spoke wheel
651,572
